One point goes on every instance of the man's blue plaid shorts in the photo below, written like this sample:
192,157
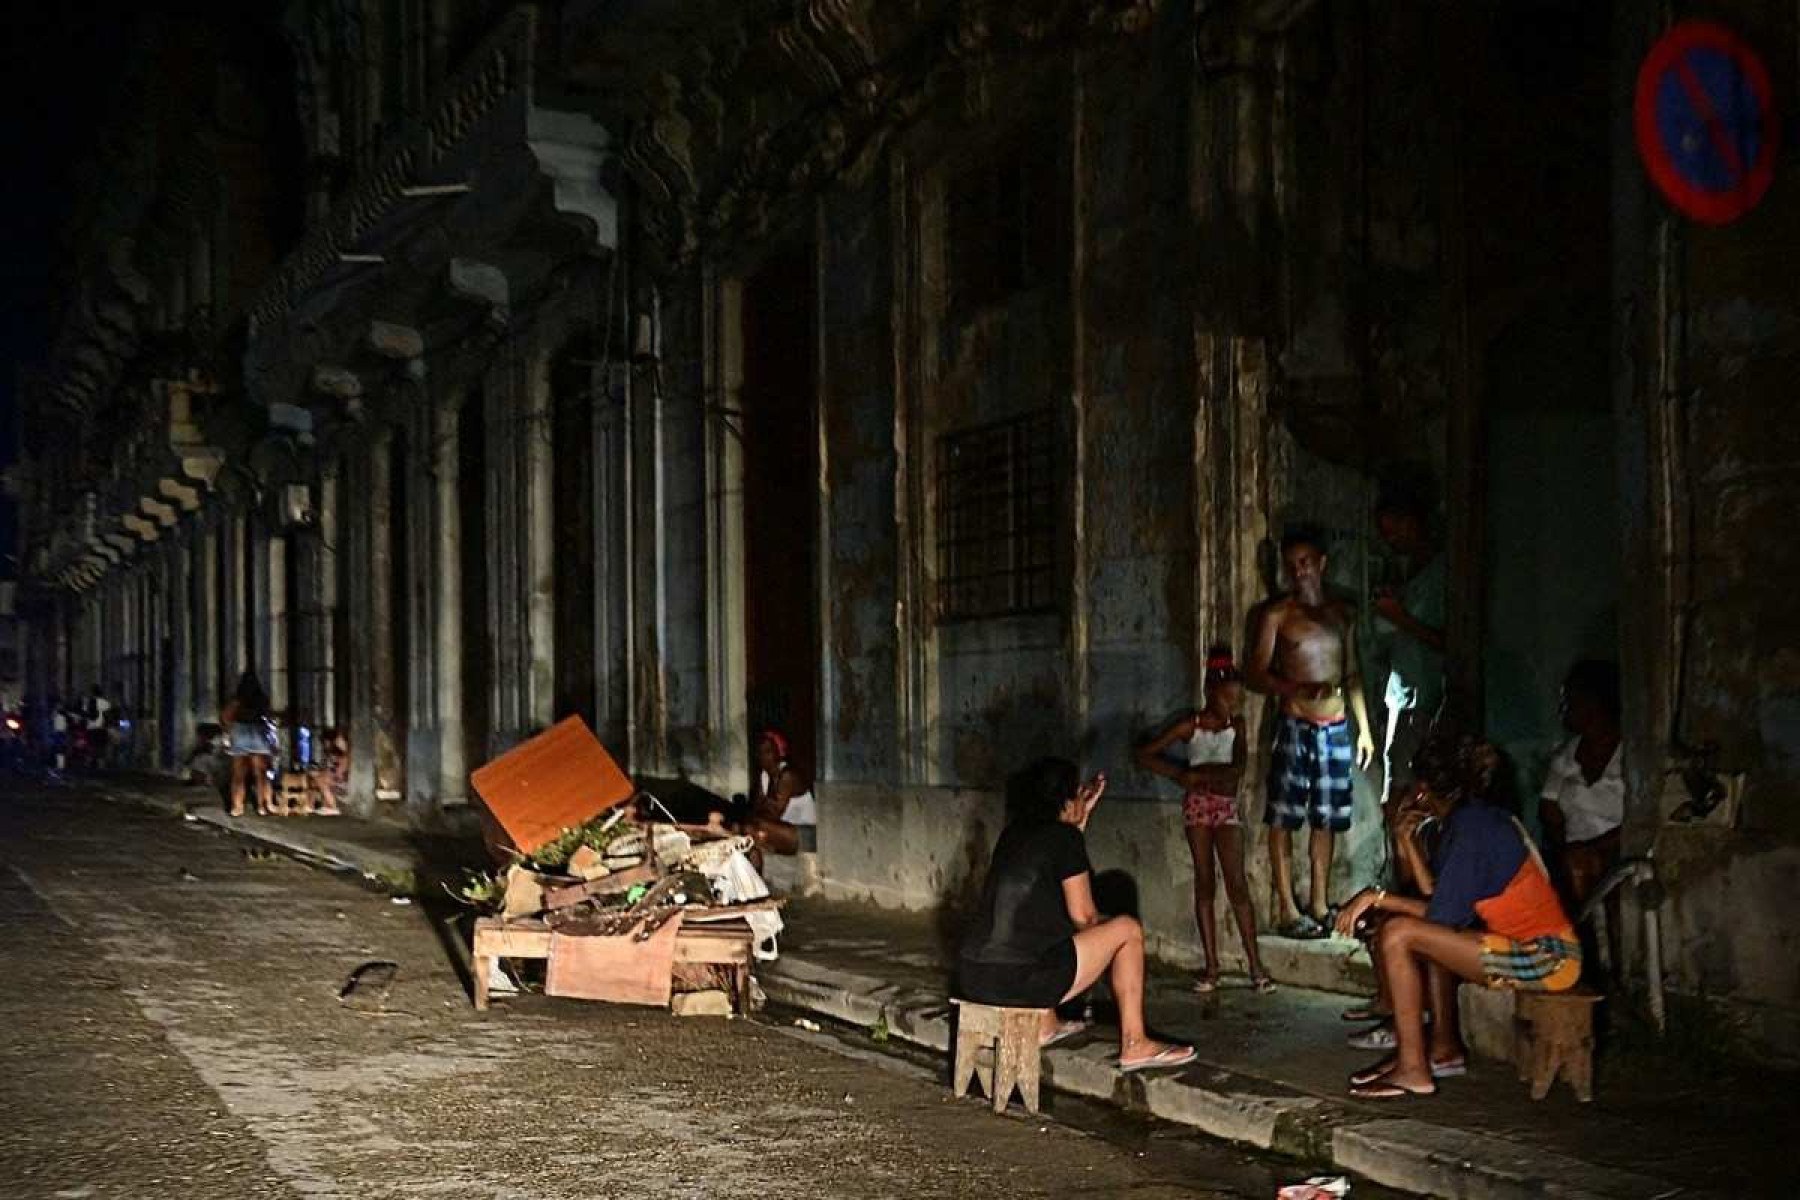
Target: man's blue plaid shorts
1309,775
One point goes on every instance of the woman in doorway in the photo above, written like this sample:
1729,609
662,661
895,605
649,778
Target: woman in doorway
1583,802
1037,939
1214,748
783,816
246,721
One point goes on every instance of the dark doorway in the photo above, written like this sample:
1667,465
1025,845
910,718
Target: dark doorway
572,481
1539,304
781,499
476,638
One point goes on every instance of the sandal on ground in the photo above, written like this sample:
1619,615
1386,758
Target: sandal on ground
1063,1032
1381,1037
1168,1056
1365,1012
1371,1074
1301,928
1206,985
1385,1089
1262,984
235,812
1449,1069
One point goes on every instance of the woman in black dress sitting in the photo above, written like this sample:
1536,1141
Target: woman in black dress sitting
1037,939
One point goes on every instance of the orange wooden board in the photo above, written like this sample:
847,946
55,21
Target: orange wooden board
560,779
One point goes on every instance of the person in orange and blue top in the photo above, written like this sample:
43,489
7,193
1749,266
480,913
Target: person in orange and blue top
1493,918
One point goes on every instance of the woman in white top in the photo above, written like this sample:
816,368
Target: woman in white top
1213,745
783,812
1583,801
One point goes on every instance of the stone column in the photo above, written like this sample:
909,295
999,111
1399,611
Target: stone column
275,621
327,585
383,612
452,785
205,615
178,599
540,551
232,652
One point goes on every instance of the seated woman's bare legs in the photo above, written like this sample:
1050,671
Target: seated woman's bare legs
1115,947
775,836
1406,944
1446,1019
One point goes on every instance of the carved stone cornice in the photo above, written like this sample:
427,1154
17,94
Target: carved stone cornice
848,88
498,75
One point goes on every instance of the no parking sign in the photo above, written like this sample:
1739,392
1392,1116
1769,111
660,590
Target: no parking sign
1706,124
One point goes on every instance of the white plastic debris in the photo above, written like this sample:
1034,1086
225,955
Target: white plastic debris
1319,1187
807,1024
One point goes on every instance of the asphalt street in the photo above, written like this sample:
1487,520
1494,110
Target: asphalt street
170,1025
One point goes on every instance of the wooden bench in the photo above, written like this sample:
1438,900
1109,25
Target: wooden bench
1000,1047
1553,1035
728,944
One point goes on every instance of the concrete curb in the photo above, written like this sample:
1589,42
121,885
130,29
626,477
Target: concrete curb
299,839
1411,1155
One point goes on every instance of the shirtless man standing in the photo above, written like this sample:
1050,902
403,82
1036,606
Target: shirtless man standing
1305,654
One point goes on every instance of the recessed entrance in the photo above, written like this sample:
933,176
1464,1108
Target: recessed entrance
781,503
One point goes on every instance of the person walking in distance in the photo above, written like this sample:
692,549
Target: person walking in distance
1304,654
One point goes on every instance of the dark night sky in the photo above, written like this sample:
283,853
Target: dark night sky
57,59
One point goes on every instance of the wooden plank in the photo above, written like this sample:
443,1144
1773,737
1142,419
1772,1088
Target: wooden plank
733,912
723,951
558,780
607,885
499,940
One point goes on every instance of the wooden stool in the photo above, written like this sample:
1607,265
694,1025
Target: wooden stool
1007,1039
293,793
1553,1034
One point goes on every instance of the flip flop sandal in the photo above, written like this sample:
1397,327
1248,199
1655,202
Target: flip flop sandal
1064,1031
1205,985
1368,1075
1168,1056
1379,1038
1301,928
1262,984
1378,1090
1366,1012
1454,1069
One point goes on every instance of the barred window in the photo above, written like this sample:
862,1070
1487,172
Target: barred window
996,540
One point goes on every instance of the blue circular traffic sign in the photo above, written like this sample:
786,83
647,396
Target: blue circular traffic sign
1706,123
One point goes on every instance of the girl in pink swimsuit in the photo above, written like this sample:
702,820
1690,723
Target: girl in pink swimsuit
1212,747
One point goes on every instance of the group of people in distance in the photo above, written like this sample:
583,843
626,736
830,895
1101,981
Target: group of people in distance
1467,897
252,745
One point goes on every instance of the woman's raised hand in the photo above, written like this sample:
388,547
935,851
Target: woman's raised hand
1088,795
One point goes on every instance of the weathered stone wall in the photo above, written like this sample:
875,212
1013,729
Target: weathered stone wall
1709,514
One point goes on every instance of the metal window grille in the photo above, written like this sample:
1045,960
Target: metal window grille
996,540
